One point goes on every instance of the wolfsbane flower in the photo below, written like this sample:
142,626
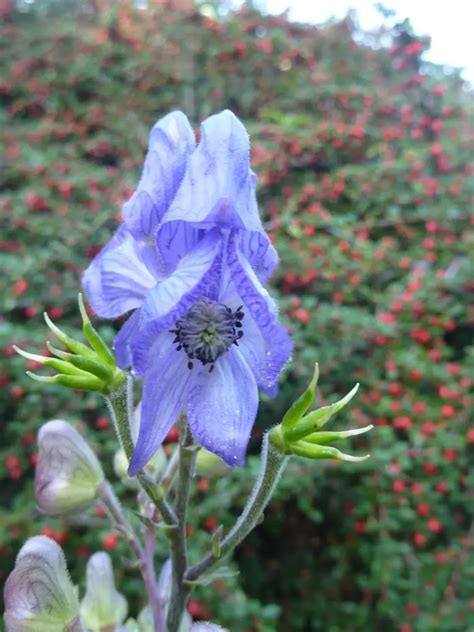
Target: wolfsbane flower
197,280
184,193
208,355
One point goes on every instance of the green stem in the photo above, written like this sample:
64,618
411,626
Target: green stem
179,555
272,464
120,403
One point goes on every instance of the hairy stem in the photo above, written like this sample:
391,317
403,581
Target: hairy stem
120,403
179,556
272,464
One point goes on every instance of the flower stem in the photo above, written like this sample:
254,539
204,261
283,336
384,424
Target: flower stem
272,464
120,403
179,555
144,556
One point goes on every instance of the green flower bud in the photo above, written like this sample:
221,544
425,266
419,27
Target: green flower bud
299,433
85,368
68,473
209,465
103,606
39,595
206,626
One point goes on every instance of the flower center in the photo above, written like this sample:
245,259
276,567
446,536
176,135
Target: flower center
207,331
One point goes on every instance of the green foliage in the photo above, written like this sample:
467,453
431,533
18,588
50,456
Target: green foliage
363,159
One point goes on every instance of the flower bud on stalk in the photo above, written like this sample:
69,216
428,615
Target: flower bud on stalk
86,368
39,595
103,607
209,465
68,473
299,433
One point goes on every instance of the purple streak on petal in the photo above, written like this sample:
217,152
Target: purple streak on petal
174,241
118,278
218,187
259,251
162,399
221,407
197,274
266,345
170,144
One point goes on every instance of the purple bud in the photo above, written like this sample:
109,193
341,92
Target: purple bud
67,473
39,595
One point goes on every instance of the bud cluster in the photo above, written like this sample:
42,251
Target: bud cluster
300,433
82,367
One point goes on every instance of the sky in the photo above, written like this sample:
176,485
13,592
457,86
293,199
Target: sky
449,24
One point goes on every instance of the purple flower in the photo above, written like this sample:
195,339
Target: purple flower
206,351
191,260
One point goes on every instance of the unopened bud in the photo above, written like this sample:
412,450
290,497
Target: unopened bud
68,473
39,595
299,432
205,626
84,367
103,606
209,465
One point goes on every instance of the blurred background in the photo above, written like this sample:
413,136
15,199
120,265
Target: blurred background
362,140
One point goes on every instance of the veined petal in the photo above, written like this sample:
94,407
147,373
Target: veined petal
170,144
197,274
118,278
162,399
218,188
221,407
174,240
259,251
266,345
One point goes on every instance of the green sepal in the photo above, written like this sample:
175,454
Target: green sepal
89,383
58,365
314,451
316,419
75,346
85,364
299,408
323,438
99,346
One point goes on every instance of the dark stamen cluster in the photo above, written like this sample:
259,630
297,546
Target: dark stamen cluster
207,331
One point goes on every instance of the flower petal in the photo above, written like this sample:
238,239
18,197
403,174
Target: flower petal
197,274
124,338
218,188
118,278
222,406
174,240
259,251
170,145
266,345
162,399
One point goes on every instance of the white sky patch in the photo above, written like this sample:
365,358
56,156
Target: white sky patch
449,24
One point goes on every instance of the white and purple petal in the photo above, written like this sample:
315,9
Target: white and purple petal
266,345
119,277
218,188
170,144
197,274
221,406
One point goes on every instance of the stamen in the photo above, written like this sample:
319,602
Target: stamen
207,331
